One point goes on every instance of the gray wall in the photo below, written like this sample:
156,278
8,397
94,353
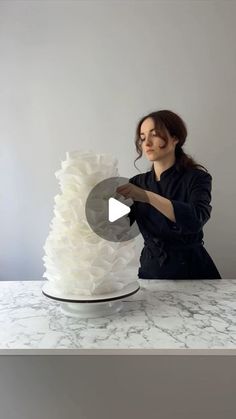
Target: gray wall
80,74
117,387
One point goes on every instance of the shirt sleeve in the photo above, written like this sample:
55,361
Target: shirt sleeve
131,214
192,215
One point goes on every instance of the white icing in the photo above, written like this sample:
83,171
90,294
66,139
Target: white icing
76,259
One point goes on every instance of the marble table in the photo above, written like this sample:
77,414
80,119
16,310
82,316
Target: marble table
170,319
164,316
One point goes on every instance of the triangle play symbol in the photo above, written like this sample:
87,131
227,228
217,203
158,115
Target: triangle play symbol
116,209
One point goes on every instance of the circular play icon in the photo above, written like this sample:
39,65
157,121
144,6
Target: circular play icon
109,214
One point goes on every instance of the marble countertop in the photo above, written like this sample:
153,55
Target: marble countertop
164,315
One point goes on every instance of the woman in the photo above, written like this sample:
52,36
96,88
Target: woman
171,202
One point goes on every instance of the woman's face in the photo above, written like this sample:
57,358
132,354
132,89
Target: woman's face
151,143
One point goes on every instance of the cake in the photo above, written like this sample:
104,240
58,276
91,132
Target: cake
77,261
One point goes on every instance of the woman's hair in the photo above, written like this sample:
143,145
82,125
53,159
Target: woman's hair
165,122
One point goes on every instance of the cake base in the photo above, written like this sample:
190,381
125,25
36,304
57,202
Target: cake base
83,306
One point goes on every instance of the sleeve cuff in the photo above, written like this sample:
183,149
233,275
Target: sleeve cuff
188,219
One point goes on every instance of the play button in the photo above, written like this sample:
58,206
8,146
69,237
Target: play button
108,213
116,210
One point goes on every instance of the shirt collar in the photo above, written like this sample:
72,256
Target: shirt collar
164,174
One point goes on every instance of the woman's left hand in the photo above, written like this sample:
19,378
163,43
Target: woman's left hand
129,190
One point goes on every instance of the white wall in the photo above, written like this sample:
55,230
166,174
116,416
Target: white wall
80,74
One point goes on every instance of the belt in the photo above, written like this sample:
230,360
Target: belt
157,248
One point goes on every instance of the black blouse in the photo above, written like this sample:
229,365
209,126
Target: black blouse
189,190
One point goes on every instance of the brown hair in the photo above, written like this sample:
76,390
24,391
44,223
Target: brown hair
165,122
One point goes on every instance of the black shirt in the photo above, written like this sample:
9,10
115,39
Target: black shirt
175,249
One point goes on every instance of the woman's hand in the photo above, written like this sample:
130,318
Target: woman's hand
129,190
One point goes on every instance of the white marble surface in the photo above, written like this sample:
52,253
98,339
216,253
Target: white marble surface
163,314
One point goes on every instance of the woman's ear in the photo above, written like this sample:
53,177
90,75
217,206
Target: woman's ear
175,139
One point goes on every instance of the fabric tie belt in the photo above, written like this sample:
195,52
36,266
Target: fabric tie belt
156,248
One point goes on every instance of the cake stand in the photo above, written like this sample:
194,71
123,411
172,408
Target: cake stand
82,306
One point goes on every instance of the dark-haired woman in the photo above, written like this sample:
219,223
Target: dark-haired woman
171,202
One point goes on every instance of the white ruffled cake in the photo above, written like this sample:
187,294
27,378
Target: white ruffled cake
77,261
